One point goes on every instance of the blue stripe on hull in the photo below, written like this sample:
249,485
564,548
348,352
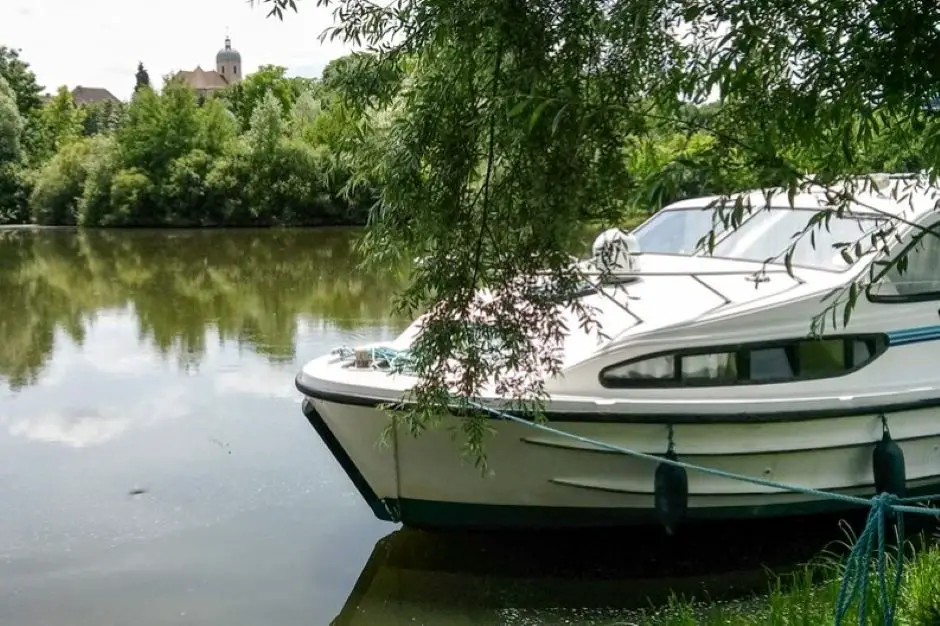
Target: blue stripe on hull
908,336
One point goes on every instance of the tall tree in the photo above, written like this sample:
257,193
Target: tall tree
11,124
13,188
142,77
62,121
27,93
102,117
246,95
21,80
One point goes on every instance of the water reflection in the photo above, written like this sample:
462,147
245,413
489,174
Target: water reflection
570,578
255,288
156,468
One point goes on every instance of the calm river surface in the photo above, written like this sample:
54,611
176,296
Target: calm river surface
155,467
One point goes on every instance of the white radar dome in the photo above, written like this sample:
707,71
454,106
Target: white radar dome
613,251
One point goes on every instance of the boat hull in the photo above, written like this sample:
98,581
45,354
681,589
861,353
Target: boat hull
545,481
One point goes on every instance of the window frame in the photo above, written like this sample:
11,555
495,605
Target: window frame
742,352
932,225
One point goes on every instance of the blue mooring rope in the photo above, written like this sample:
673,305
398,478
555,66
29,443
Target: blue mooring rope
854,584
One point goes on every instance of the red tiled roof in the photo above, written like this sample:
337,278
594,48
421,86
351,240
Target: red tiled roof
201,79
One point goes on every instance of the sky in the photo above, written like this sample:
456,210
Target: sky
97,43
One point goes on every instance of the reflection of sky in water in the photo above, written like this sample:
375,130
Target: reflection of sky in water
246,517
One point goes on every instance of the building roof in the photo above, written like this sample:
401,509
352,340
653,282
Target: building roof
201,79
92,95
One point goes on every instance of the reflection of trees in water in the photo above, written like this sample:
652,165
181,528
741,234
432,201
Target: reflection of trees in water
251,286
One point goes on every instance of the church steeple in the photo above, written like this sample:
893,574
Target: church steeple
228,62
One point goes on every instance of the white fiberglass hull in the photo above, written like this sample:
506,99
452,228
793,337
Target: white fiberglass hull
544,480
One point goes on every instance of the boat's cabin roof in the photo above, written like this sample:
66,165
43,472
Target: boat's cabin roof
769,226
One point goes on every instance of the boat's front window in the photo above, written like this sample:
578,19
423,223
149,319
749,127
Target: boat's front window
674,231
764,234
769,233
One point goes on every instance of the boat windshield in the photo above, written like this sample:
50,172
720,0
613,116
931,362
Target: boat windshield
674,231
766,234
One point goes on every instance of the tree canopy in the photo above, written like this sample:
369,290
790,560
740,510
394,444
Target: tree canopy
11,123
518,122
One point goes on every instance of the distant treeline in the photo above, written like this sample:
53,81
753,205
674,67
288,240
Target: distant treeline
268,151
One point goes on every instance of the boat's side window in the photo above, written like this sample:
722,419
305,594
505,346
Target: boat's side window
916,276
716,366
780,361
771,363
655,368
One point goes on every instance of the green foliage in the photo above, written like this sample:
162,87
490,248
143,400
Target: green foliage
11,124
808,597
21,80
664,165
102,117
186,191
27,92
246,95
61,182
159,129
94,208
13,177
217,128
132,194
265,130
920,603
62,122
14,193
278,172
167,160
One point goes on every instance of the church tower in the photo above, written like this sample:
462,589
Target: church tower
228,63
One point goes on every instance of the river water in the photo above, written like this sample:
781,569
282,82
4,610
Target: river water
155,467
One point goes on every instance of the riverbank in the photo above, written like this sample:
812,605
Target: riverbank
809,596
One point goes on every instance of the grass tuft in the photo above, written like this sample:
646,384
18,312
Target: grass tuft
807,596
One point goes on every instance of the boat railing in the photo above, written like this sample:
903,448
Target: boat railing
615,279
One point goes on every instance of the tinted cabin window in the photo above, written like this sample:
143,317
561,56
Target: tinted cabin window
824,357
656,368
770,364
719,366
801,359
916,277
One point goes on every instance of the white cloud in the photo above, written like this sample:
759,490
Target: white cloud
80,427
76,429
266,382
111,347
97,43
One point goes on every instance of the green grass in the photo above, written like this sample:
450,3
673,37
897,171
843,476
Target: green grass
808,597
